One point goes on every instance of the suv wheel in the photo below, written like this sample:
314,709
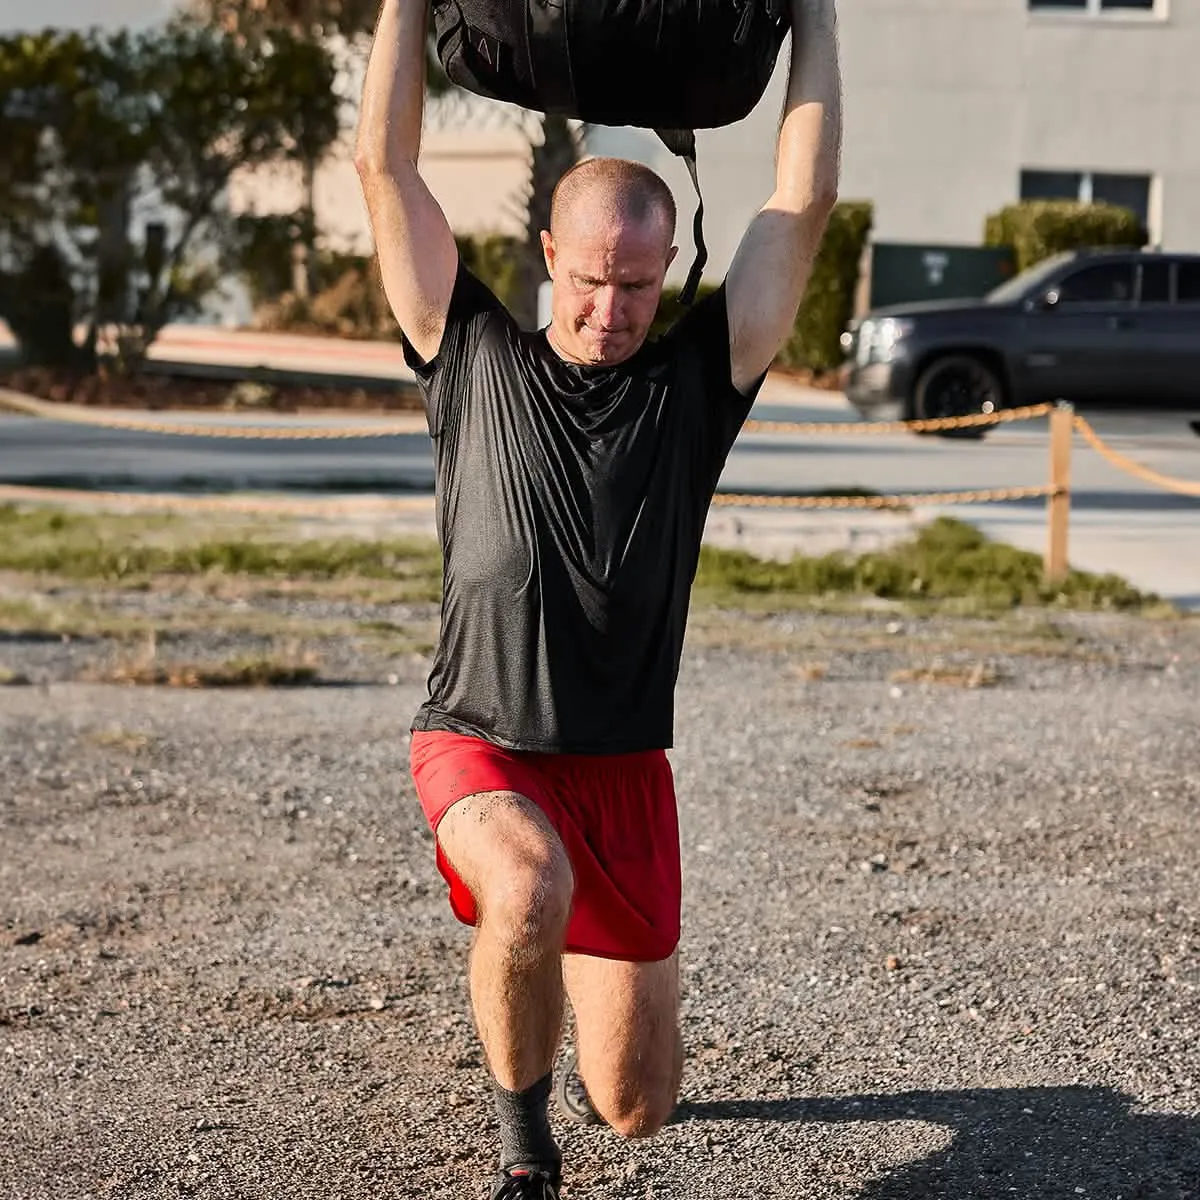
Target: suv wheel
958,385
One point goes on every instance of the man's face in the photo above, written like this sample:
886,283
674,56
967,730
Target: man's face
607,278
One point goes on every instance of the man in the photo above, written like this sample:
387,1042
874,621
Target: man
575,466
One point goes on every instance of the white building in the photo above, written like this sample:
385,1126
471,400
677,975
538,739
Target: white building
953,109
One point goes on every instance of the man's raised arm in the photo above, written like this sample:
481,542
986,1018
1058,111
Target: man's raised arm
417,253
770,271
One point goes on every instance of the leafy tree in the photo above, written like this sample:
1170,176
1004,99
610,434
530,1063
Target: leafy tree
344,24
553,149
119,151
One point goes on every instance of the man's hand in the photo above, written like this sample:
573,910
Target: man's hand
770,271
417,253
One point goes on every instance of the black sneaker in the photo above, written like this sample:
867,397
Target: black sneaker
526,1183
570,1095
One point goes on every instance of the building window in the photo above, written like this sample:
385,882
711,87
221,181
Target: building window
1090,187
1096,7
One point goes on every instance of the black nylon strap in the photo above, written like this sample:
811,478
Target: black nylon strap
550,55
683,143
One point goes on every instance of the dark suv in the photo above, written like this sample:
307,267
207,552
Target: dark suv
1096,327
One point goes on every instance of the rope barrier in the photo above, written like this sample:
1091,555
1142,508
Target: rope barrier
19,493
71,414
29,406
1182,486
932,425
909,500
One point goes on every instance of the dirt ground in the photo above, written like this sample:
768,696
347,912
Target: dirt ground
942,927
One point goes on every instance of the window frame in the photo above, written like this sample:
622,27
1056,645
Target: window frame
1092,10
1086,193
1080,268
1180,264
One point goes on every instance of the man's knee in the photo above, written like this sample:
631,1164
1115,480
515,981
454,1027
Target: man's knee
638,1113
526,897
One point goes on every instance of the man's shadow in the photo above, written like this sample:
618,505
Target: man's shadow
1011,1144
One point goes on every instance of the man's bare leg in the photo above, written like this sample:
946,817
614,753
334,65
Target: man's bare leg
509,856
628,1040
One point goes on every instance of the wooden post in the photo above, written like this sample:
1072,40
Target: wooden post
1058,504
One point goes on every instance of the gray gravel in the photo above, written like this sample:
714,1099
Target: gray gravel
939,941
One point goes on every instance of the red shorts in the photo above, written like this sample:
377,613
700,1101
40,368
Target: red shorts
616,816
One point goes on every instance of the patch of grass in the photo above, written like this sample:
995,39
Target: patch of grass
947,561
131,550
92,619
10,678
290,669
261,672
44,618
949,567
968,675
810,672
116,737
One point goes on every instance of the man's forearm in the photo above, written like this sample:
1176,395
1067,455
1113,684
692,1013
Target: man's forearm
808,162
389,129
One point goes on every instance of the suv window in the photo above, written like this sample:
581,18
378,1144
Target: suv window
1156,282
1187,283
1103,283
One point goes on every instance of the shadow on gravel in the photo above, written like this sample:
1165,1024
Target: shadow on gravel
1019,1143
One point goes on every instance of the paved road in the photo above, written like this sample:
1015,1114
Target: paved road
1119,523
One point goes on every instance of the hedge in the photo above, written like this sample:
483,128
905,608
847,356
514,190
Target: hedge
1037,229
828,304
493,258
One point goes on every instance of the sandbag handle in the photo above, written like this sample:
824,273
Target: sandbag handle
550,55
683,143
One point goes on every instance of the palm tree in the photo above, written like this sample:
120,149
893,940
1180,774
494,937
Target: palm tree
560,148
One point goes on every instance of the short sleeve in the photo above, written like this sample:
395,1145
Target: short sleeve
443,379
700,342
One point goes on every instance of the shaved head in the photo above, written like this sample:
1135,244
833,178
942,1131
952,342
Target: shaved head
607,251
611,191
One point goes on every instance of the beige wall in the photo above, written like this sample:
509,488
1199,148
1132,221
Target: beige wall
947,103
477,170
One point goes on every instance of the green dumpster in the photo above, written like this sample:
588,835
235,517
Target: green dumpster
902,272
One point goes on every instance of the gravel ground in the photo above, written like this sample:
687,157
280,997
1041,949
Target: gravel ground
940,941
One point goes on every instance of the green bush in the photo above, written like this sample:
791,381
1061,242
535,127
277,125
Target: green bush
1037,229
671,308
947,560
493,258
264,253
828,303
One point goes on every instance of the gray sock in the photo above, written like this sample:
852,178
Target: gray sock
525,1126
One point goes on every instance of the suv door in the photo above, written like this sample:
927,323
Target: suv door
1175,339
1077,341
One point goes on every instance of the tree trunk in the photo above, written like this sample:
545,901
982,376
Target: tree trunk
39,305
304,281
558,150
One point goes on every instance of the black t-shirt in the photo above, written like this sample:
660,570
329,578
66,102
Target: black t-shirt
571,501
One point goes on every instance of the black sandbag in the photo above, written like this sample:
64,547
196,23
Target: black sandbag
673,66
